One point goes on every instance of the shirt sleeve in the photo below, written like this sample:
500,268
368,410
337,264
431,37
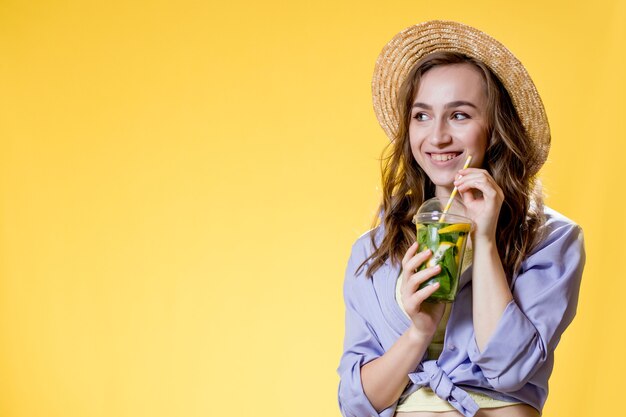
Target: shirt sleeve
545,296
361,345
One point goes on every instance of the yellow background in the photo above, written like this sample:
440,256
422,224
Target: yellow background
181,183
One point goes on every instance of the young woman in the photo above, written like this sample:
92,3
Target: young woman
443,91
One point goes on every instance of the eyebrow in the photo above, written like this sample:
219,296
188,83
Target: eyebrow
457,103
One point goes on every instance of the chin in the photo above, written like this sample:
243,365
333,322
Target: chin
442,182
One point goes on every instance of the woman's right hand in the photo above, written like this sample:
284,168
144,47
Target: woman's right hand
425,316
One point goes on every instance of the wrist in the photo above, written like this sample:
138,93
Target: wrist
418,337
483,239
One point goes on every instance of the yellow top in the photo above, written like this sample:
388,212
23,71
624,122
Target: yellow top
424,399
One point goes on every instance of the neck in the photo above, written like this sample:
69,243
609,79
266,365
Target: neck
442,192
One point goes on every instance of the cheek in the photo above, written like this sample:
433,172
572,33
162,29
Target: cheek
479,144
415,151
414,142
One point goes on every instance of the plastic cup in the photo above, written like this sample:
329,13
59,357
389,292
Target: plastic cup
447,241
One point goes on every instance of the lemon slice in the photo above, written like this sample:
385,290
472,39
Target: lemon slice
443,246
459,246
458,227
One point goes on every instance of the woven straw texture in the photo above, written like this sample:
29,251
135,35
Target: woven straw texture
407,47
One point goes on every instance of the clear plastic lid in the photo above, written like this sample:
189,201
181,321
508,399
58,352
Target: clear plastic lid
432,210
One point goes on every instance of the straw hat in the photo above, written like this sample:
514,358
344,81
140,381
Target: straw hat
407,47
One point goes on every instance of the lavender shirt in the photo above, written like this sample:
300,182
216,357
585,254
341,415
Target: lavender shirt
518,359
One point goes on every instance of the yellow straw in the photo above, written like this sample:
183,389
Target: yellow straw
454,191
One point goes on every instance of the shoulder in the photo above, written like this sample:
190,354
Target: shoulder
555,220
363,247
560,240
557,226
358,264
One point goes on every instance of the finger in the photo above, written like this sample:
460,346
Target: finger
472,176
468,197
468,171
415,262
476,175
422,276
478,182
420,296
409,253
468,185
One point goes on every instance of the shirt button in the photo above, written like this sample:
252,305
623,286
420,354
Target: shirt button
451,347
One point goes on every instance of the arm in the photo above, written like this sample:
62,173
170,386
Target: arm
385,378
372,380
490,290
545,296
361,346
517,330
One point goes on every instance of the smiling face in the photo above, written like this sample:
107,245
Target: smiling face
449,122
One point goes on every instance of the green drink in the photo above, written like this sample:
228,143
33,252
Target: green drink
447,241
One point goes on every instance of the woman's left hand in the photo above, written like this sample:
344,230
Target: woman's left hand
483,199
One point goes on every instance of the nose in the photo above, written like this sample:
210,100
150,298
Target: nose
440,134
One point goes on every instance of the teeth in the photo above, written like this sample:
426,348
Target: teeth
442,156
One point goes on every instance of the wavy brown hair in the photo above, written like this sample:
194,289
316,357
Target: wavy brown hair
406,186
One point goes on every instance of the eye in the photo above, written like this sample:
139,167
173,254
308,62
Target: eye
420,117
460,116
